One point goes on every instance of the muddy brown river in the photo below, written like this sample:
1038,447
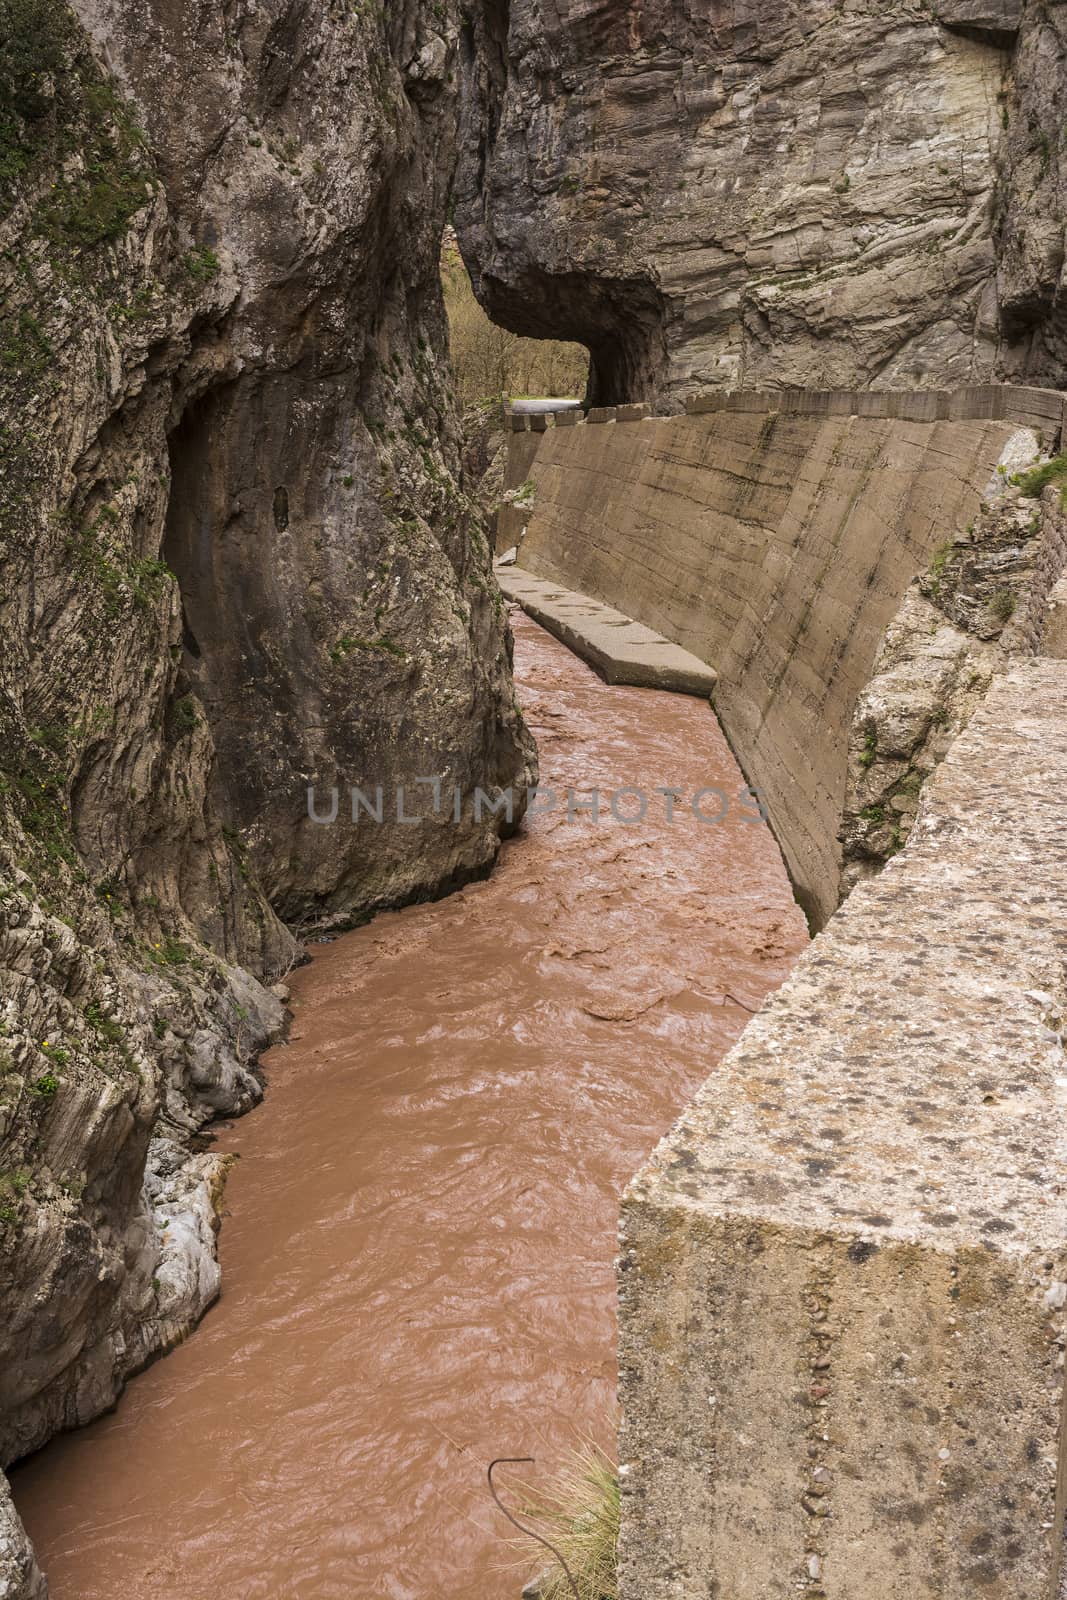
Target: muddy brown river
418,1249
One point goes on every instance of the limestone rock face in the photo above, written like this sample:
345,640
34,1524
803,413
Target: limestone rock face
235,558
817,194
984,601
340,622
20,1576
1031,201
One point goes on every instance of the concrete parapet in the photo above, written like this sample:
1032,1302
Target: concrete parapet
1036,408
569,419
871,403
1043,409
1033,408
518,422
539,421
601,414
818,403
697,405
632,413
918,405
754,400
843,1275
985,401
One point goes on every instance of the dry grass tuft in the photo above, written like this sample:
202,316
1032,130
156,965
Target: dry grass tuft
579,1514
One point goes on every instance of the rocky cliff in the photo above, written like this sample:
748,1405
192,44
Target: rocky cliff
235,559
831,193
986,599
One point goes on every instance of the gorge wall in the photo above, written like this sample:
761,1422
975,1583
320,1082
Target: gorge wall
236,558
753,194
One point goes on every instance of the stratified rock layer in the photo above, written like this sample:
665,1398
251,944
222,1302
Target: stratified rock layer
820,194
986,597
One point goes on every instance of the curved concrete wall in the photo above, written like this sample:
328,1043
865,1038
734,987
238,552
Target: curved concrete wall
843,1275
776,547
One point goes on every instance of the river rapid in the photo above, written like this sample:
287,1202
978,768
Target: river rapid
417,1255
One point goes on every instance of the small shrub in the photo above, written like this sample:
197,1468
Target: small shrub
46,1086
1003,604
169,953
939,561
104,1025
185,716
202,265
1033,484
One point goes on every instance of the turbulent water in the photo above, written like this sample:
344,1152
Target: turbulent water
418,1255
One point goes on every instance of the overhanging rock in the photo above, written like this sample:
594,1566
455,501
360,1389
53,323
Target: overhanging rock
843,1274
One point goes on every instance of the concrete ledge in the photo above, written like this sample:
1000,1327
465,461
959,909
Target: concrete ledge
601,414
621,650
844,1273
922,405
568,419
632,413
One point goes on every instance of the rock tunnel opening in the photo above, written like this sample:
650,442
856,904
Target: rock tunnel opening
489,358
620,322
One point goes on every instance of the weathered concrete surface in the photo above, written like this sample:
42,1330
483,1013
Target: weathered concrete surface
777,547
621,650
844,1273
1055,643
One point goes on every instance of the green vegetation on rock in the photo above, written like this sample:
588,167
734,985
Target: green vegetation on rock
59,113
1033,484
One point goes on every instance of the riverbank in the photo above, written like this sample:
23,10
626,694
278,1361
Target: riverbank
418,1261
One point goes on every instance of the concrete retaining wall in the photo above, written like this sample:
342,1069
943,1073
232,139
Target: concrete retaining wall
777,547
844,1274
